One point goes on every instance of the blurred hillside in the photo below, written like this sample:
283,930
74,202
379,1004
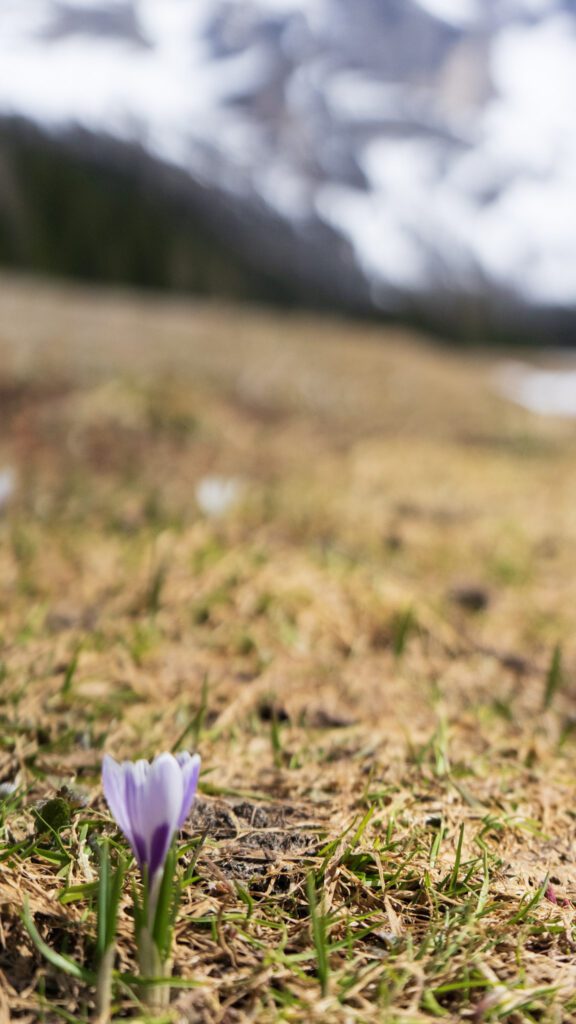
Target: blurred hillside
76,212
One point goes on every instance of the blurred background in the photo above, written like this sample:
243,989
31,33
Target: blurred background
413,159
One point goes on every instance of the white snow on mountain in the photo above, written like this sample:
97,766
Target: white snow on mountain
148,94
455,12
460,176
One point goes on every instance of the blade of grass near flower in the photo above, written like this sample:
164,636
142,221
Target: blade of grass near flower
58,960
196,725
102,933
167,906
319,938
109,892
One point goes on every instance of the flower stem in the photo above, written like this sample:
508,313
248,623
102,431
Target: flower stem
104,986
157,997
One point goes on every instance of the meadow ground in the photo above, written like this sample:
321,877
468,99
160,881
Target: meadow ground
373,649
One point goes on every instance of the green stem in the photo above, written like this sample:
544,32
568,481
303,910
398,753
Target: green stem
104,986
156,997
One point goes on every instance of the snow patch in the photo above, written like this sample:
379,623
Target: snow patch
357,98
455,12
285,191
384,248
215,495
546,392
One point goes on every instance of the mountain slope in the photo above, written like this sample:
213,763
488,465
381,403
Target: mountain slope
409,154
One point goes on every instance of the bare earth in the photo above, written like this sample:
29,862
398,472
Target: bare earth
373,650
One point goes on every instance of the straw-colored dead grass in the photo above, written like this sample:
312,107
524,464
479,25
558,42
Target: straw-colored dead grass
373,649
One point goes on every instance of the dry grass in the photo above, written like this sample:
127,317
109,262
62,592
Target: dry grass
361,649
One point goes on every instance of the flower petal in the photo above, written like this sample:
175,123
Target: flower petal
151,801
113,782
164,794
190,766
159,846
136,778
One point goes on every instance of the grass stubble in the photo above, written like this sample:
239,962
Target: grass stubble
373,651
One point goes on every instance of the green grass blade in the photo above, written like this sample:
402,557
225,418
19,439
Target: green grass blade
553,678
103,889
165,908
457,861
71,672
319,938
62,963
115,893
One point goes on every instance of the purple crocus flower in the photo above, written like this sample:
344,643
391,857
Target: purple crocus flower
150,802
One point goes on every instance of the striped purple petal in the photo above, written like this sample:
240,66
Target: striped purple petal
114,784
190,766
151,801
